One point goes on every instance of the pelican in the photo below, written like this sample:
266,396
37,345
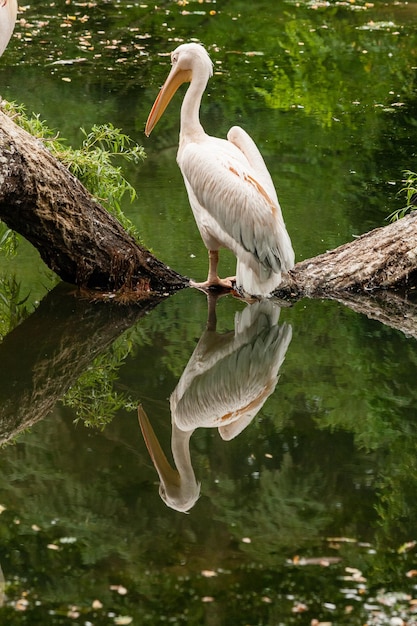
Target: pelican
224,385
8,13
230,190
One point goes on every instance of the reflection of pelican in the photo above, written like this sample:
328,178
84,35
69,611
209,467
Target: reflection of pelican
224,385
229,187
8,12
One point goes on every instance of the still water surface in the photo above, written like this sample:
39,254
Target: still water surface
305,508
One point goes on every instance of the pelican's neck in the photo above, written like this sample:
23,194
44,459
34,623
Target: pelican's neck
191,128
180,446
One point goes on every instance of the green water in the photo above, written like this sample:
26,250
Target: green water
309,512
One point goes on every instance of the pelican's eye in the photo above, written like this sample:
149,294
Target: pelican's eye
174,59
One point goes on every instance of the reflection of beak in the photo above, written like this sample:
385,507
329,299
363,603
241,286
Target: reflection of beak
166,473
176,77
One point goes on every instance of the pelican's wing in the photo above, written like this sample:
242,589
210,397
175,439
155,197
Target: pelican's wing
235,387
226,186
245,144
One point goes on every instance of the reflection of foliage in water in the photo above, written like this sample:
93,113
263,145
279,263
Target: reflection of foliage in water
95,397
13,307
123,538
326,70
285,510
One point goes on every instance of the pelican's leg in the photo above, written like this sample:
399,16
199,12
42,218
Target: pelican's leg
213,281
211,310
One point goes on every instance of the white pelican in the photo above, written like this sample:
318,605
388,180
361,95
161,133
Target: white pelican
8,13
225,383
229,187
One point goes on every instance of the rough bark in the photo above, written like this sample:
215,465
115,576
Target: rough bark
74,234
384,258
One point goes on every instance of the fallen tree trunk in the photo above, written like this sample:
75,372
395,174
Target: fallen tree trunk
84,245
384,258
75,236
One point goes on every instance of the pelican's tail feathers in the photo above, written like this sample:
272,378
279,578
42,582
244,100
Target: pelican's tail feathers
260,282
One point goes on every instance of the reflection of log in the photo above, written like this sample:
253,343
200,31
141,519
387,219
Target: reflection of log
368,275
384,258
45,355
75,236
386,307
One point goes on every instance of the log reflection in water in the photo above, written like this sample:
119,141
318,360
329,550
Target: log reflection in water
43,356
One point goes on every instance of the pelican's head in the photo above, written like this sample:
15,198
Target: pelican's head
189,61
179,489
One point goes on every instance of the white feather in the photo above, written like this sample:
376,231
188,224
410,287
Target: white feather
229,187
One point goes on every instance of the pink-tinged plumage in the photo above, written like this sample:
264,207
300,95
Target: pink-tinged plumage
8,13
230,190
226,382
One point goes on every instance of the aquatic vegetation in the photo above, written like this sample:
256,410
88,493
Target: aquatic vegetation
410,192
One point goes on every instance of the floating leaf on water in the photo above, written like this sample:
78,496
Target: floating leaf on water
123,619
406,547
391,598
21,604
97,604
74,612
119,588
208,573
2,509
356,573
323,561
299,607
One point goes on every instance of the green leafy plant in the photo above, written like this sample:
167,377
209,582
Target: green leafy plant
8,240
95,163
410,189
13,304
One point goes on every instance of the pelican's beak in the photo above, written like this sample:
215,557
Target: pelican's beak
176,77
166,473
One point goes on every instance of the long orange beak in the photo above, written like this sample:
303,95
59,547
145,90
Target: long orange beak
166,473
176,77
